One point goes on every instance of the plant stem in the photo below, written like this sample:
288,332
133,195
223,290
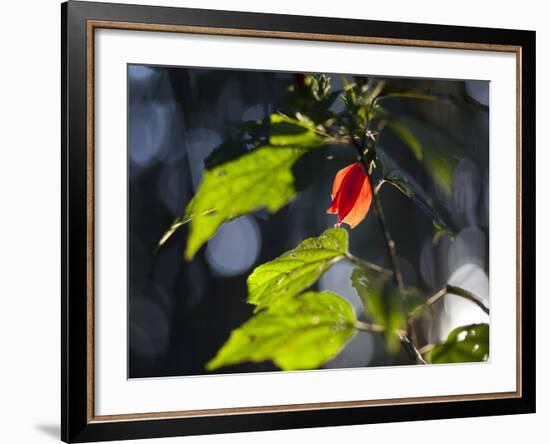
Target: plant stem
451,289
366,264
416,352
375,328
340,159
371,328
390,243
409,338
468,295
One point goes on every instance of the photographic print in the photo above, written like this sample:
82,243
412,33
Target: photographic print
299,221
272,221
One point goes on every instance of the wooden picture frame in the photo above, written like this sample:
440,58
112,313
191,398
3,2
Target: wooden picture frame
80,20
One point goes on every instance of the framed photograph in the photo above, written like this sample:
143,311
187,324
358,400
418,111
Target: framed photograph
277,221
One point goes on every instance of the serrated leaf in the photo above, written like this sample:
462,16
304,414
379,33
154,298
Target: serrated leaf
297,269
301,333
412,189
469,343
382,303
262,178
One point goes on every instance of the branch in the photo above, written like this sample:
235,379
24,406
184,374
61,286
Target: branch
402,334
468,295
340,159
414,349
366,264
379,185
451,289
390,243
409,337
371,328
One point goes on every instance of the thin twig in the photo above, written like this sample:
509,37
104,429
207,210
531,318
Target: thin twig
405,338
340,159
390,243
366,264
410,335
426,349
429,302
468,295
402,334
371,328
451,289
378,186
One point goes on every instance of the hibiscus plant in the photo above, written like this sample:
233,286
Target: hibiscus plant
293,325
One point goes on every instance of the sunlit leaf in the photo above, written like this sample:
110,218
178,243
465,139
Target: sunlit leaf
382,303
302,333
262,178
297,269
469,343
412,189
285,131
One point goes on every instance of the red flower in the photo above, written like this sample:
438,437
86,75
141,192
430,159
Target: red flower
351,195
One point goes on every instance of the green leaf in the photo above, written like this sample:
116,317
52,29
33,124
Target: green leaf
285,131
297,269
302,333
408,138
469,343
382,303
418,95
455,100
412,189
430,146
262,178
224,153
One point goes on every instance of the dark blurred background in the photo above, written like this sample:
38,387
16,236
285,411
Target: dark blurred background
180,313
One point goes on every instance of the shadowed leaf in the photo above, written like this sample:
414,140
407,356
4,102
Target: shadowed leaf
408,138
225,152
428,144
297,269
412,189
394,92
301,333
382,303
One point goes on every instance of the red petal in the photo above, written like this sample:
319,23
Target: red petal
360,207
339,178
349,185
